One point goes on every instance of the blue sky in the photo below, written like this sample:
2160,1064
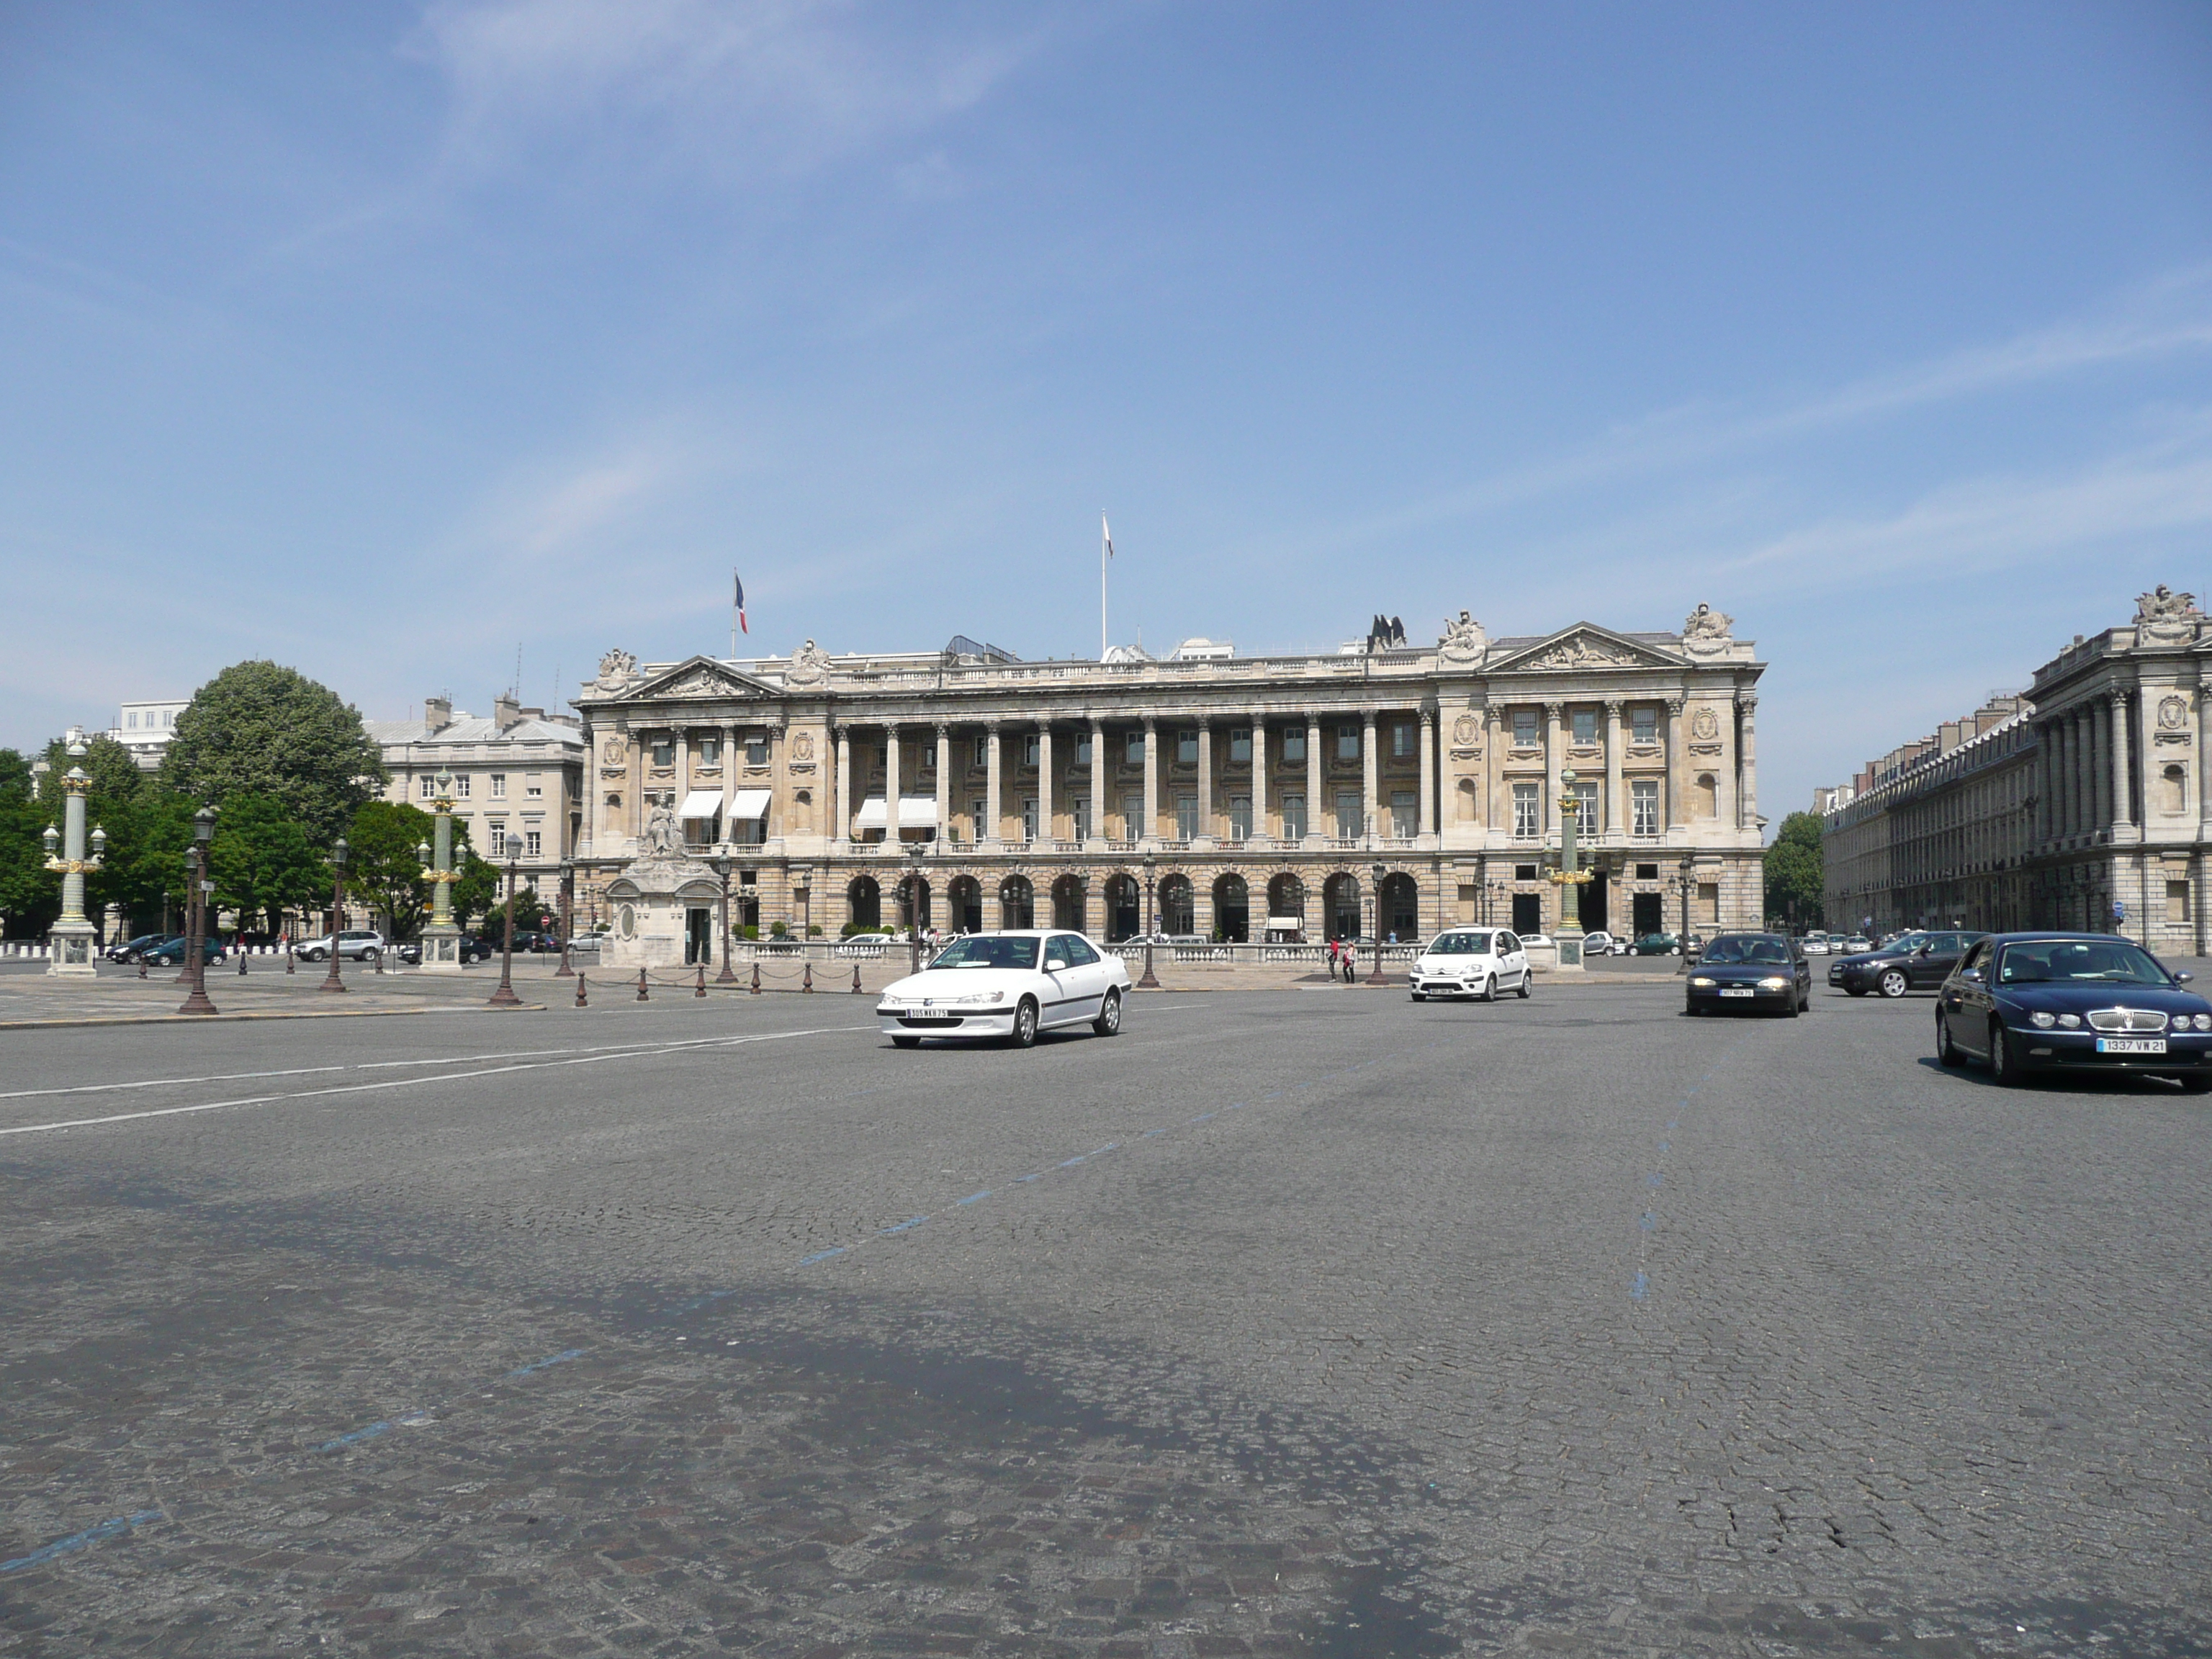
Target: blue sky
384,339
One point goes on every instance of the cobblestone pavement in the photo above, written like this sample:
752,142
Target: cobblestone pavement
1281,1323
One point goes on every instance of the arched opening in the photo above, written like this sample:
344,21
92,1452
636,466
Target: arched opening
864,903
1705,796
2174,792
1125,908
914,890
1232,910
1465,796
1016,902
1339,903
1287,900
1401,909
963,898
1068,903
1177,907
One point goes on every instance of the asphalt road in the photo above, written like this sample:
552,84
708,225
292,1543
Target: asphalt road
1305,1323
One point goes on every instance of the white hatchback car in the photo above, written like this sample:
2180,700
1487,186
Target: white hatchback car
1010,986
1470,962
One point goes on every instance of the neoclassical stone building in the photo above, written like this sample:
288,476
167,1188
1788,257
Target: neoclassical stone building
1264,790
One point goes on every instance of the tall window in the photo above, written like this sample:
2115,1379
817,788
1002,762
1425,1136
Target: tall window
1347,743
1133,817
1294,818
533,843
1405,815
1240,747
1643,725
1348,815
1186,748
1082,749
979,814
1585,721
1294,745
1082,816
1401,740
460,786
1643,803
1524,728
429,787
499,786
1133,749
982,748
1240,817
1526,822
757,749
1587,823
710,751
1186,816
1031,748
495,831
663,751
1029,818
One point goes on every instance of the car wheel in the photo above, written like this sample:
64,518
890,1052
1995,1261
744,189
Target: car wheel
1526,986
2004,1070
900,1041
1109,1015
2196,1085
1854,990
1893,982
1946,1052
370,955
1025,1024
1490,987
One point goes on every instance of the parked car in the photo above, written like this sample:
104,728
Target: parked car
2021,1003
1816,944
1750,972
1911,962
353,944
1856,943
1470,962
132,950
170,952
1599,942
1656,944
1010,986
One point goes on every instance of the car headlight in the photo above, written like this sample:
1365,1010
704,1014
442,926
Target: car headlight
979,1000
1701,982
1774,982
2042,1021
2071,1022
2204,1022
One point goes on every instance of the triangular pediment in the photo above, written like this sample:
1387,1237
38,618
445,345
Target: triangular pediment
701,677
1585,645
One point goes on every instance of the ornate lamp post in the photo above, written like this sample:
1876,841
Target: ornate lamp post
72,934
331,981
1570,877
196,1001
442,938
1148,982
1381,872
727,976
568,905
1686,885
914,851
504,997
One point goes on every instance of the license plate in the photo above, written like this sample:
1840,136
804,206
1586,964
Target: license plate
1744,992
2131,1045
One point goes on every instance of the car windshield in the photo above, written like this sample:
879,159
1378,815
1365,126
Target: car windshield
1906,942
1747,948
987,950
1457,945
2076,960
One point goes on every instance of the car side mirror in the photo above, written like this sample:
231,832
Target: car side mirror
1973,974
2183,978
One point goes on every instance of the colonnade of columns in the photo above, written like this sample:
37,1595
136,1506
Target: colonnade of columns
2085,773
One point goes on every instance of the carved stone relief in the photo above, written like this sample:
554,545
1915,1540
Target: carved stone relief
1706,725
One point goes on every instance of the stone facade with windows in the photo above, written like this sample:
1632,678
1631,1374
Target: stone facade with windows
1260,787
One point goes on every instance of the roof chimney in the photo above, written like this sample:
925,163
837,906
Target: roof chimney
505,712
437,712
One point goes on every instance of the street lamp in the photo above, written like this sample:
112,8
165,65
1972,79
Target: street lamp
1685,884
568,905
331,981
914,849
442,939
722,869
196,1001
1148,982
1380,872
72,932
504,997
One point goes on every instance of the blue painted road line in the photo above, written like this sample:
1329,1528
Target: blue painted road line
976,1198
822,1255
376,1429
1640,1289
559,1358
77,1540
903,1226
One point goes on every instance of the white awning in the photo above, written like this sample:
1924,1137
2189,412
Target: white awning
747,805
916,812
701,804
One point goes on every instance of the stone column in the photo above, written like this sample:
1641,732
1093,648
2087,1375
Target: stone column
1258,777
993,806
1548,809
1151,830
1370,781
844,808
1044,781
1315,822
1616,809
2045,809
729,734
1101,769
1747,796
2123,817
944,782
2098,777
1205,825
891,758
2077,756
1428,822
1677,784
1494,766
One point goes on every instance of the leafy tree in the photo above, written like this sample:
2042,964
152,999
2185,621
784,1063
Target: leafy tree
145,870
30,897
260,729
530,915
264,862
477,890
116,779
1795,871
383,862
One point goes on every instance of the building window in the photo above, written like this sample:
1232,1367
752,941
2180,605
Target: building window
1647,872
1709,902
1240,817
1588,822
130,720
1527,822
1405,815
1294,818
1401,740
1525,872
2177,901
499,786
1585,723
1082,749
1349,817
1031,748
1524,728
1294,746
1029,818
978,815
495,838
710,751
1347,743
533,843
1186,816
982,749
1643,723
1240,747
663,751
1643,804
1186,748
1133,817
429,787
1133,749
1082,816
461,785
533,788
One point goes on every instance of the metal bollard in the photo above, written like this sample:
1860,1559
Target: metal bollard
755,975
241,963
142,967
701,990
580,1003
856,979
290,956
641,996
807,983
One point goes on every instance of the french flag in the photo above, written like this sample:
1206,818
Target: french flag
742,623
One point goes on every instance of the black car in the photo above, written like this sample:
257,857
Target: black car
1750,972
2077,1002
171,951
132,950
1918,960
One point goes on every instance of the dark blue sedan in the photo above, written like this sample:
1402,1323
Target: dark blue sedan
2021,1003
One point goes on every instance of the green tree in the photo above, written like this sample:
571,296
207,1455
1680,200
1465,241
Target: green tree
116,779
477,890
260,729
1795,871
264,862
530,915
145,870
30,897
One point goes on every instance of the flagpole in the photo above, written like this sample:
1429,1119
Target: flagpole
734,616
1102,588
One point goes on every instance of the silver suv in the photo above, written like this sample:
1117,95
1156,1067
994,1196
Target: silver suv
357,943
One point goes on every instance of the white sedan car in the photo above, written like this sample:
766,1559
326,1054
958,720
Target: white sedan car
1010,984
1470,962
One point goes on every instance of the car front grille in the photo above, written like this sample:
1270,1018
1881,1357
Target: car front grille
929,1022
2127,1019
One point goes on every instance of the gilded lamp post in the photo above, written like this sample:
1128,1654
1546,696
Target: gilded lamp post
70,938
442,938
1570,877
